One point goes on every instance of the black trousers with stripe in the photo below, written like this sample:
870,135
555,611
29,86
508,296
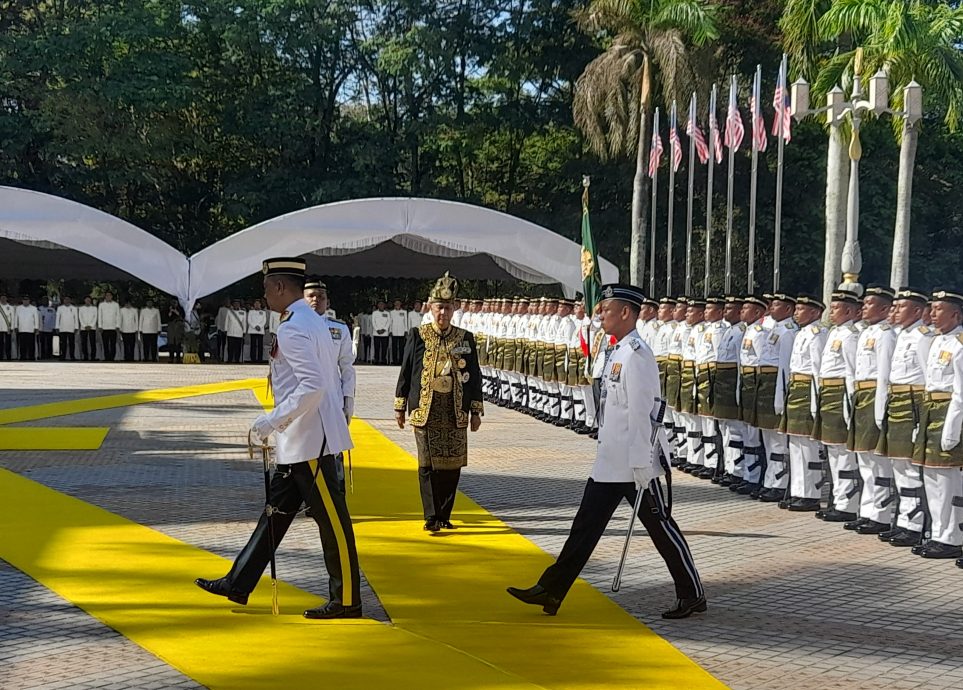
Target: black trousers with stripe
599,502
316,484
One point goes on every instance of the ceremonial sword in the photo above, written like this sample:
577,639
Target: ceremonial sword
269,511
656,426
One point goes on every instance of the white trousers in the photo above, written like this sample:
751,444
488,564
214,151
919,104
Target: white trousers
589,396
845,488
943,484
752,465
876,500
909,481
777,465
732,433
710,452
695,451
806,467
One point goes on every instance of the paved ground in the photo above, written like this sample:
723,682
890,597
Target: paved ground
793,601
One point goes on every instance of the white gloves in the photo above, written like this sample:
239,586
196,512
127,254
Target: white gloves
948,444
262,428
348,410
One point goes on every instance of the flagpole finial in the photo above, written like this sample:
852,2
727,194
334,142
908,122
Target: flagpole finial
586,181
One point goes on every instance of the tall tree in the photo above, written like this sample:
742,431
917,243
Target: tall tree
646,44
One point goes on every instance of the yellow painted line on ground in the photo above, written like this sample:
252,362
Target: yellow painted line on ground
31,413
451,588
139,582
52,438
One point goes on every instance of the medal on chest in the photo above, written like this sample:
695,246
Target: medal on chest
615,374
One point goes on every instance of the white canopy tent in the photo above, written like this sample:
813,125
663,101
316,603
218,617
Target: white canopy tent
46,236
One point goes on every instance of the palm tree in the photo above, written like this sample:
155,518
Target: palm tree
807,47
909,40
647,43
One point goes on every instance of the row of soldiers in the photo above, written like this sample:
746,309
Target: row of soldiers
534,357
768,400
763,395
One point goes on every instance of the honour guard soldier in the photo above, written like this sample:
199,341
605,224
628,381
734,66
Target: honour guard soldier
8,320
693,329
68,323
754,309
874,355
907,385
220,323
564,331
771,385
256,326
398,319
660,348
805,454
624,465
553,403
108,320
673,380
439,386
725,391
937,449
129,323
48,324
236,328
836,368
707,346
381,326
648,324
316,295
311,431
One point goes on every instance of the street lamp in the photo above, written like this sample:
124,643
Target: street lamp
836,109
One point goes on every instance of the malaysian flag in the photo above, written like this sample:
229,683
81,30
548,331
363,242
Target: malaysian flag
675,146
780,103
694,133
759,138
734,129
714,133
655,151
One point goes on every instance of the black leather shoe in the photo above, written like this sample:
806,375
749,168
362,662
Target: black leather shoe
221,588
937,549
856,524
889,534
906,538
736,485
537,596
804,505
959,563
333,610
756,491
594,435
728,480
431,525
746,489
872,527
771,495
918,549
446,524
837,516
717,478
685,608
706,473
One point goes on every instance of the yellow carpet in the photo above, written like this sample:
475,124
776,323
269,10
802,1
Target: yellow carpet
139,582
52,438
454,625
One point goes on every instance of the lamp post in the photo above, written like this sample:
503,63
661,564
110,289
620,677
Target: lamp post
836,109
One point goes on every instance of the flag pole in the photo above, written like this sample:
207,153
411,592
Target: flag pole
753,184
688,214
781,143
713,133
729,191
654,173
671,209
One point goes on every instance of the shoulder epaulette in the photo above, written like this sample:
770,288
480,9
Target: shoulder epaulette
853,328
757,327
815,329
286,316
884,326
635,344
925,330
960,337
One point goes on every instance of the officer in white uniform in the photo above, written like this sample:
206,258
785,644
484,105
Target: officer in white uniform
726,392
414,315
256,326
108,320
27,327
48,324
8,321
937,448
907,386
236,328
310,431
874,356
68,323
754,339
625,464
805,454
129,322
398,330
381,332
316,295
150,325
88,330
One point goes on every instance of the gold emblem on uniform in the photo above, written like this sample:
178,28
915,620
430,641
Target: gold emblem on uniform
837,345
870,344
616,372
462,364
945,357
588,264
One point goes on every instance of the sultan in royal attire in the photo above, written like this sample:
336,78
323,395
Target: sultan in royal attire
440,386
